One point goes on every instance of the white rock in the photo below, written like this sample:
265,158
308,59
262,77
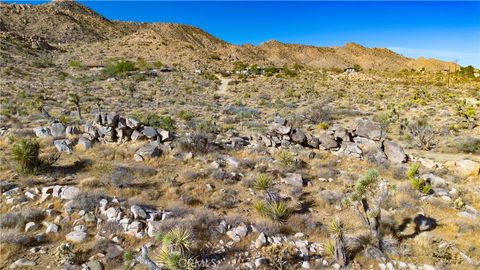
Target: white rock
52,228
261,241
22,263
80,228
76,237
30,226
138,212
69,193
306,265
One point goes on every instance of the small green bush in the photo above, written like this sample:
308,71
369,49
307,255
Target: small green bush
26,154
416,182
115,68
278,211
74,63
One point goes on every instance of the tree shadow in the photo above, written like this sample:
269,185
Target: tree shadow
422,224
74,168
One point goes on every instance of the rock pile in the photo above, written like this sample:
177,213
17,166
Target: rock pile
366,141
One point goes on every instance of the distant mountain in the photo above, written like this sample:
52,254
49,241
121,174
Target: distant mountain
84,34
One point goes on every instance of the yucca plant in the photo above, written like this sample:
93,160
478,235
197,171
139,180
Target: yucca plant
337,231
74,99
174,251
262,182
416,182
26,154
277,210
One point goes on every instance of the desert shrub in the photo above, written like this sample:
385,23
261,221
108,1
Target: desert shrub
287,160
207,126
198,143
18,219
18,239
278,211
186,115
469,145
320,114
74,63
121,176
156,121
115,68
422,133
416,182
278,255
26,154
87,201
420,97
262,182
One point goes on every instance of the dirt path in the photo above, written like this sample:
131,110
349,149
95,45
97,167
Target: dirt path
442,157
223,87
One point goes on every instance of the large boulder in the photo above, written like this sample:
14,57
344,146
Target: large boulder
69,193
327,141
280,129
368,129
149,132
132,123
294,179
57,129
76,237
41,132
372,151
84,143
394,152
341,133
147,151
468,167
349,149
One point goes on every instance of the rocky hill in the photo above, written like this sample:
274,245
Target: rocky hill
89,36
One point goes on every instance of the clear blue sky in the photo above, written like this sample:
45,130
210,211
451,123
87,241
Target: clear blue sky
443,30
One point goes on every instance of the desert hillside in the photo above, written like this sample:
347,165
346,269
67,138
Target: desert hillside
89,36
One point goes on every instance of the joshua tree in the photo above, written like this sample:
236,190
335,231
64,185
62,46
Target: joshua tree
74,99
366,199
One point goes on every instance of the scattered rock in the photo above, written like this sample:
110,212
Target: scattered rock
76,237
294,179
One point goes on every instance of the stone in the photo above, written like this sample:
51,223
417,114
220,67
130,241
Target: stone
136,135
22,263
468,167
241,230
280,129
69,193
112,213
368,129
372,151
57,129
306,265
72,131
84,143
64,145
435,181
312,141
76,237
111,119
294,179
341,133
147,151
260,261
394,152
132,123
261,241
298,136
94,265
138,212
349,149
30,226
41,132
149,132
52,228
279,120
80,228
327,141
165,134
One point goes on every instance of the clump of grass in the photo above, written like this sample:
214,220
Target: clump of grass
286,158
416,182
278,211
26,154
18,219
115,68
262,182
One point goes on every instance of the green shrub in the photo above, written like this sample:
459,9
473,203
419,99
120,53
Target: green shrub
74,63
416,182
173,254
286,159
114,68
186,115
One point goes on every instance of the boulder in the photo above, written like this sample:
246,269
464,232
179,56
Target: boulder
298,136
111,119
94,265
69,193
468,167
294,179
41,132
76,237
312,141
57,129
280,129
84,143
64,145
341,133
149,132
165,134
147,151
435,181
327,141
72,130
261,241
136,135
349,149
52,228
22,263
394,152
372,151
138,212
368,129
132,123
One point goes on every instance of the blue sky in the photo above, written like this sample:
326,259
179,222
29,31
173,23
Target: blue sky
444,30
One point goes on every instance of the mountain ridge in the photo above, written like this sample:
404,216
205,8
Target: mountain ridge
85,34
